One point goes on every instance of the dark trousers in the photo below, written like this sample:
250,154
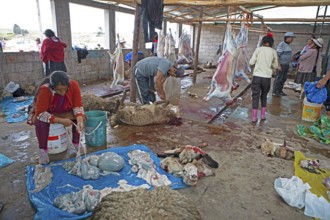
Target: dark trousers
280,79
148,26
146,89
260,87
51,66
42,132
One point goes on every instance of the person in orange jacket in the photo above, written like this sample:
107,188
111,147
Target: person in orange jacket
58,100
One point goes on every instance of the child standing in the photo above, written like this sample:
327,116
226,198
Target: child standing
264,61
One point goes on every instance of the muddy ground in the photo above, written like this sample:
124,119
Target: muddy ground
243,185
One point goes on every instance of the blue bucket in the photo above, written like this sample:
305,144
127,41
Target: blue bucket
96,128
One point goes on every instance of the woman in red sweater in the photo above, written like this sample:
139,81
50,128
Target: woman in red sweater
58,100
52,53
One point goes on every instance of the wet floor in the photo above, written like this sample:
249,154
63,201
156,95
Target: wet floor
231,139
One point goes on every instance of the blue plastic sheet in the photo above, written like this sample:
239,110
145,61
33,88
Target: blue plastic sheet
64,183
128,56
4,161
16,111
314,94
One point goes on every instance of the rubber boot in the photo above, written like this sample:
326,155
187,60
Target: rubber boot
263,113
254,115
43,156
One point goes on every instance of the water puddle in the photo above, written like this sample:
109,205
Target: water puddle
19,136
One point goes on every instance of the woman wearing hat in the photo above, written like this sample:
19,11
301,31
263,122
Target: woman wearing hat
307,63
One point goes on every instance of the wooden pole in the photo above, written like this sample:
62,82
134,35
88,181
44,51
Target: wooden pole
135,52
197,47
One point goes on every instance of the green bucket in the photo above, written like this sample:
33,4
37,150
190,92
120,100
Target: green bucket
96,128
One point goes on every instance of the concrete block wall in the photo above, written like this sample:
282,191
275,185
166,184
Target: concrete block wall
26,68
212,36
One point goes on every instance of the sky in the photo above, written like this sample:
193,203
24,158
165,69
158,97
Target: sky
24,13
87,19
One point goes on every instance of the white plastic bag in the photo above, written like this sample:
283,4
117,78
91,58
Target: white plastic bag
292,190
317,207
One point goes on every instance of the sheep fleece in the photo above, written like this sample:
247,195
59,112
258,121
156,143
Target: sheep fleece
162,203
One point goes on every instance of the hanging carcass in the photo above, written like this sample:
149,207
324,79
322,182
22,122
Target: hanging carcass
185,54
161,45
170,48
222,81
117,60
243,66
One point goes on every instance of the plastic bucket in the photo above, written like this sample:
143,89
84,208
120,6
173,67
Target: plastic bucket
57,139
96,128
311,111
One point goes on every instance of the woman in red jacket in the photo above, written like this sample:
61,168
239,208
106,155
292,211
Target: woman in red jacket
58,100
52,53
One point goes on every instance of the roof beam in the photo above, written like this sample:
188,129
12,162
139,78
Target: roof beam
191,20
245,2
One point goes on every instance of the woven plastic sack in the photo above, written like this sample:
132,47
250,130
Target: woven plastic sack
172,88
314,94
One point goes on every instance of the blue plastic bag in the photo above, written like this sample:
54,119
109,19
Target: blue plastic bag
314,94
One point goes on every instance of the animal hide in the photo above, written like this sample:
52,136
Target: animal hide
93,102
42,177
185,51
161,203
161,45
243,66
270,148
117,59
170,48
140,115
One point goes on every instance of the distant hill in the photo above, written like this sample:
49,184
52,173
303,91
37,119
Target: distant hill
6,33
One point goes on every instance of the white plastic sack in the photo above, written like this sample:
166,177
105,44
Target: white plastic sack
317,207
172,88
293,190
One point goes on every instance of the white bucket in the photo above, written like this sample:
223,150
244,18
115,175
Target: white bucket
57,139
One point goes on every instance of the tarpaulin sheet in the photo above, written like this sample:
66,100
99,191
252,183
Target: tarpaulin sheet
314,180
15,110
4,161
63,183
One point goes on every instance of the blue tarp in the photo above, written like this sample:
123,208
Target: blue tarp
13,110
64,183
4,161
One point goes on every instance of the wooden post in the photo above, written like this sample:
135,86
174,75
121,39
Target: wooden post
135,52
197,47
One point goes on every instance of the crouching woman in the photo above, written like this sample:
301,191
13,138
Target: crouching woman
58,100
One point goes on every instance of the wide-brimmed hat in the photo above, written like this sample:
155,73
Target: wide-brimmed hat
289,34
318,42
